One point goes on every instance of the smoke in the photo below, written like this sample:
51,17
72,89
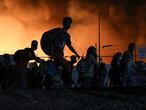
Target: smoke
36,12
121,22
35,17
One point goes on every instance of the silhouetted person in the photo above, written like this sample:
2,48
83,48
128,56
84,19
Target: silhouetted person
126,65
67,72
86,67
30,51
54,41
46,82
115,71
81,68
102,77
22,58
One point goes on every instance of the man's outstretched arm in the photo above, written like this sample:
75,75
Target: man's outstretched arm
73,50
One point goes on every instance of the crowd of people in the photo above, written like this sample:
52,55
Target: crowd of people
56,72
43,74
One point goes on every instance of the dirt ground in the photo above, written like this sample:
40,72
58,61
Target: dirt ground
70,100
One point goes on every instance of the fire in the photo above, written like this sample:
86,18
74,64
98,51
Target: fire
24,20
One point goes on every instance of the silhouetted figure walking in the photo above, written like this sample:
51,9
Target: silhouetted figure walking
102,75
115,71
126,65
54,41
67,72
22,58
86,68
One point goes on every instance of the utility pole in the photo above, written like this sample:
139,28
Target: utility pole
99,34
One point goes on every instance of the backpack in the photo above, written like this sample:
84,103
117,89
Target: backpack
48,39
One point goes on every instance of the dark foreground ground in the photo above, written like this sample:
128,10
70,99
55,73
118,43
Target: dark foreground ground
119,99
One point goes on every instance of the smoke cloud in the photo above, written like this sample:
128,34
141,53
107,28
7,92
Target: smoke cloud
121,22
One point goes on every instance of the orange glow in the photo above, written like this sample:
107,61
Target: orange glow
11,33
22,23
